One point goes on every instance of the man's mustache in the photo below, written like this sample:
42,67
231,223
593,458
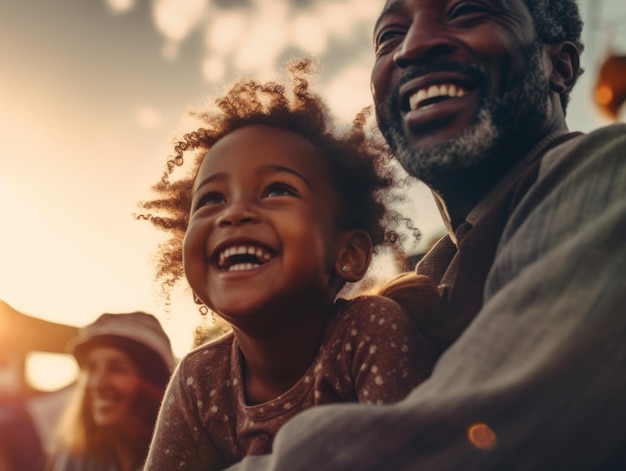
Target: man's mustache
473,72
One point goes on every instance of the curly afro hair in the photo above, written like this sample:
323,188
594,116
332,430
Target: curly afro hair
358,161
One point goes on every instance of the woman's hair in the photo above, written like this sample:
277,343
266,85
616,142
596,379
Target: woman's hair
358,161
80,436
417,294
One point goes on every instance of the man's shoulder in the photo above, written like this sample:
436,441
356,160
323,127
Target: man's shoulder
616,129
596,144
605,140
579,167
580,181
613,130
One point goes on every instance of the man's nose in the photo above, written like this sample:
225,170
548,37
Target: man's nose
427,39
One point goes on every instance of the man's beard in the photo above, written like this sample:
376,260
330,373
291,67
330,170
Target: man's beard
521,110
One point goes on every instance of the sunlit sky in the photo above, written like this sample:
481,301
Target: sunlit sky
91,93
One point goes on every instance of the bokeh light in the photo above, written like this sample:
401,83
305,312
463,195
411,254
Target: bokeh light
481,436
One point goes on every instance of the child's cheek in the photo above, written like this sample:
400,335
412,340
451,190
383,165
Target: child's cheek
193,248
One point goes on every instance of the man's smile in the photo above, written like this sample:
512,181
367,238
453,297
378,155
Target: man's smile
434,94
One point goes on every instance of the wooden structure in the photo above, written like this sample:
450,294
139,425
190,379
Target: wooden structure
21,334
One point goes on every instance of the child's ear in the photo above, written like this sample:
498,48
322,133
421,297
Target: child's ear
354,255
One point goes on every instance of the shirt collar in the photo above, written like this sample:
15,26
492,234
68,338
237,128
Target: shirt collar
479,210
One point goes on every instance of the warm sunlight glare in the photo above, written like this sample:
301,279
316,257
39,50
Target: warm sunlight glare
225,33
121,6
176,19
305,33
31,252
213,69
148,117
50,371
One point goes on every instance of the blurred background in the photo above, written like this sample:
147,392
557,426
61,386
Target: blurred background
91,94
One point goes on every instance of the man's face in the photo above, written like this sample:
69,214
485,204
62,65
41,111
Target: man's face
454,81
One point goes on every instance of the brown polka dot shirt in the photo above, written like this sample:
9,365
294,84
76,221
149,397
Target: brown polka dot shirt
370,353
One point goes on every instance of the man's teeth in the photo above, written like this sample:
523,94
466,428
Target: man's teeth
434,91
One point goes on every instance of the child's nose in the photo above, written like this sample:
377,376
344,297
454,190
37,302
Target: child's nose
237,214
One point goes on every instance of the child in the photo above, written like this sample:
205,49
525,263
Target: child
279,212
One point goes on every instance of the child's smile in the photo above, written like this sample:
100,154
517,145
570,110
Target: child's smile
239,257
262,224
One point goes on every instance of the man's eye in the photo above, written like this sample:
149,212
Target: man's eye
280,189
387,38
464,10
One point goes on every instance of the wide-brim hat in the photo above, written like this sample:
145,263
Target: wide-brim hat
137,327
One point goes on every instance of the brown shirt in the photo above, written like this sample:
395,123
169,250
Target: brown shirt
370,353
460,261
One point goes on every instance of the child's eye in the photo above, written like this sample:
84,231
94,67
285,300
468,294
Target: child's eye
280,189
209,199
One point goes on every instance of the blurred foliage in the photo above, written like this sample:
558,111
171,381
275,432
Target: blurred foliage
209,329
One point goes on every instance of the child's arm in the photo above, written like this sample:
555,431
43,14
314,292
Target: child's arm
180,440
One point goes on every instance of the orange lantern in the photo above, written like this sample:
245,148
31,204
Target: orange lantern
610,92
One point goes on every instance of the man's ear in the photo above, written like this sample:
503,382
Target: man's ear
354,255
565,60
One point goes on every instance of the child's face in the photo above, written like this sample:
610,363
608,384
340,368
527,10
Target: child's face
262,233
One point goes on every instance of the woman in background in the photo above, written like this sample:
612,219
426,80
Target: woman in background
125,363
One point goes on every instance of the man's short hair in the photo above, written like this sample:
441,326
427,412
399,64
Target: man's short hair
557,21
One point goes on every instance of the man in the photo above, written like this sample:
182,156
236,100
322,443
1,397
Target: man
471,96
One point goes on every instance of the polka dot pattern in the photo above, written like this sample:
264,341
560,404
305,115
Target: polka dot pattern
370,353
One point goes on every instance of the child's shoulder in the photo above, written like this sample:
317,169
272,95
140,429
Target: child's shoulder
371,302
371,325
372,311
217,351
208,379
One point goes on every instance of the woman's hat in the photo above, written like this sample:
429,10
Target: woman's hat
138,327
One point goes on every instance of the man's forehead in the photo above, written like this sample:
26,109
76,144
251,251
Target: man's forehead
392,6
398,6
